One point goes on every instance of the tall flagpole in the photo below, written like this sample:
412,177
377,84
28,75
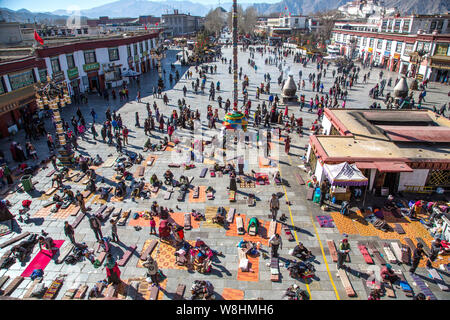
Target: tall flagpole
235,53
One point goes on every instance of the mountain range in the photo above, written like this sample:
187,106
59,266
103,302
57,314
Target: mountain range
135,8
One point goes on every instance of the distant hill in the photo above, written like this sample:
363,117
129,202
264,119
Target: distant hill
25,16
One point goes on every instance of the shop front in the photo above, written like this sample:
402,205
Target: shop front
94,80
440,66
395,63
74,82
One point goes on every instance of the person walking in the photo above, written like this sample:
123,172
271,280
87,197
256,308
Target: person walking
275,243
112,270
69,232
274,205
96,226
417,256
152,271
80,199
343,250
436,247
114,235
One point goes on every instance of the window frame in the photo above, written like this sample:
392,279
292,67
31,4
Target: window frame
116,51
69,57
86,53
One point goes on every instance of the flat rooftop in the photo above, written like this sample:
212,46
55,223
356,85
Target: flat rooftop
404,134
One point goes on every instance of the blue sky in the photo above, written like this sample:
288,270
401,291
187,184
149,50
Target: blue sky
52,5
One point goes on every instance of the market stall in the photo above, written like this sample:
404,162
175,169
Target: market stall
342,176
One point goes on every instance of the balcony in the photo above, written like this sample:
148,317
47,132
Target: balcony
14,99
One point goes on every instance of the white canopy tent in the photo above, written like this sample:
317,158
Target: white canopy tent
344,174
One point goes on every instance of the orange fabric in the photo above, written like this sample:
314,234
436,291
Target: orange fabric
232,294
251,275
201,195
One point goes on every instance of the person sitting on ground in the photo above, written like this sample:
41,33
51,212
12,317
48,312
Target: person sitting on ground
46,242
91,174
388,274
154,181
121,190
301,252
68,195
91,186
168,175
104,192
138,188
97,161
58,178
154,208
390,204
148,145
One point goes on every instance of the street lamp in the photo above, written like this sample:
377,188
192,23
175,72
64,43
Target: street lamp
54,96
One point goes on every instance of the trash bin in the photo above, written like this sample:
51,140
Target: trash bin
27,183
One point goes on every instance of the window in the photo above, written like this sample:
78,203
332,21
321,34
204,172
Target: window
371,43
146,45
113,54
379,44
20,80
390,25
70,61
129,51
408,48
364,41
397,25
2,86
398,47
389,46
55,65
43,75
140,47
358,41
135,48
406,25
440,24
441,49
433,25
384,25
89,57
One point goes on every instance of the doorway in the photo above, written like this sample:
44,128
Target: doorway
391,181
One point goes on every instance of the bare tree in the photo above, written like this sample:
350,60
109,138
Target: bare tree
247,20
215,21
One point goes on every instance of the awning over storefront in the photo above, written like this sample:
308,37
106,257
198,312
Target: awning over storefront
393,167
440,62
365,165
344,174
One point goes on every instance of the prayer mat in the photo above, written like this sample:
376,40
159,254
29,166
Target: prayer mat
325,221
41,260
43,212
252,275
201,195
109,162
264,162
210,213
263,232
265,177
71,210
232,294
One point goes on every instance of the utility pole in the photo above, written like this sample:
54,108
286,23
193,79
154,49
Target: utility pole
235,53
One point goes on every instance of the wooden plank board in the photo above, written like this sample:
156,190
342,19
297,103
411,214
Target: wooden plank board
272,229
126,256
346,283
230,215
100,210
390,256
397,251
81,292
64,253
79,178
69,294
180,292
110,291
332,249
410,244
149,250
168,194
367,258
105,215
4,257
187,221
141,170
425,246
203,172
78,219
438,279
398,228
154,290
3,280
310,194
15,239
376,253
27,294
406,254
422,286
287,232
50,191
48,175
13,285
123,218
240,225
299,179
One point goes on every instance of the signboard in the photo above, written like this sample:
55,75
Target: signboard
72,73
387,53
91,66
370,50
396,55
58,76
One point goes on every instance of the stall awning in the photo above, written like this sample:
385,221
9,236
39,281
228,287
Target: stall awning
393,167
344,174
365,165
